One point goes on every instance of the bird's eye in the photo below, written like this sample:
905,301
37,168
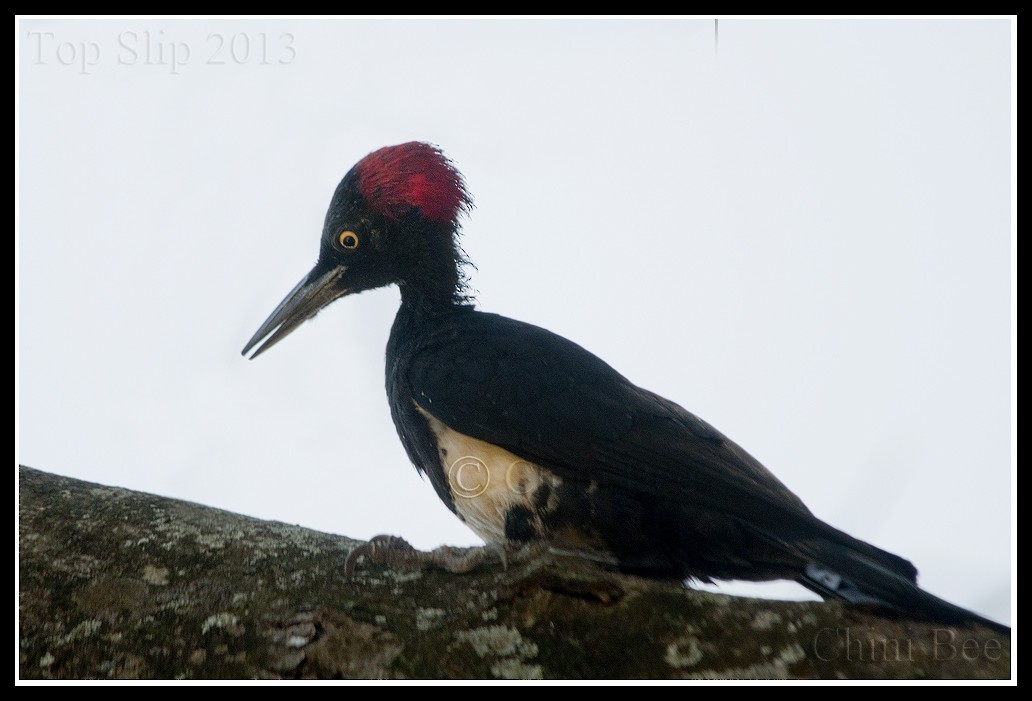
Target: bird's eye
348,240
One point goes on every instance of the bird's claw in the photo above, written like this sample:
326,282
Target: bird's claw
396,552
375,549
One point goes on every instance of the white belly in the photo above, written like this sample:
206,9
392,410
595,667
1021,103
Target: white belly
486,481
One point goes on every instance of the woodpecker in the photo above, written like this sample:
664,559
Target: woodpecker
529,438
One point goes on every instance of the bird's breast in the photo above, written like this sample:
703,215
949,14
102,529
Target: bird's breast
504,498
490,486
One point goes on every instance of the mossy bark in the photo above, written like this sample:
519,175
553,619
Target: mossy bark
120,584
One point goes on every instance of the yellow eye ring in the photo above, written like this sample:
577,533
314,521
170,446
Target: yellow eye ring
348,240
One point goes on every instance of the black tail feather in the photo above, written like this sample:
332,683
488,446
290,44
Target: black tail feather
842,573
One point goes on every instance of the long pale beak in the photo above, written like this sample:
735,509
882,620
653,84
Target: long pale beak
315,291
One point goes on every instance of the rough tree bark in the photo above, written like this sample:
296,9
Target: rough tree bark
120,584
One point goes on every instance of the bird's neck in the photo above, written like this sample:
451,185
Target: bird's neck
419,314
423,300
435,283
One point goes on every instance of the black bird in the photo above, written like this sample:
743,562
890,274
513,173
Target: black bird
528,437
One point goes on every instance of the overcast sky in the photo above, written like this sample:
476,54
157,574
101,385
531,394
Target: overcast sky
803,238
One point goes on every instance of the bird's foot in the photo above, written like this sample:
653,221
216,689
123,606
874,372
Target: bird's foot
518,553
395,552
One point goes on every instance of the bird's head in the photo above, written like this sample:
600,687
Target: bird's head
394,218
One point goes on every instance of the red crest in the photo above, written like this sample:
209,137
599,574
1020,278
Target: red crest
396,179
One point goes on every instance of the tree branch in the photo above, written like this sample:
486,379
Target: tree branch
120,584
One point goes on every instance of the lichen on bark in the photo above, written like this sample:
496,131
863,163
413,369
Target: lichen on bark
121,584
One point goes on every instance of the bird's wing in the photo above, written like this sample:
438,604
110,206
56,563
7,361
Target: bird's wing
554,404
551,402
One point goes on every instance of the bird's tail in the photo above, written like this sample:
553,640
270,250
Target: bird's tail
860,573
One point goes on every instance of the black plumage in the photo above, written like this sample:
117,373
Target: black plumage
559,447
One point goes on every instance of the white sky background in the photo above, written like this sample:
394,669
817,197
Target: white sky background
805,241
